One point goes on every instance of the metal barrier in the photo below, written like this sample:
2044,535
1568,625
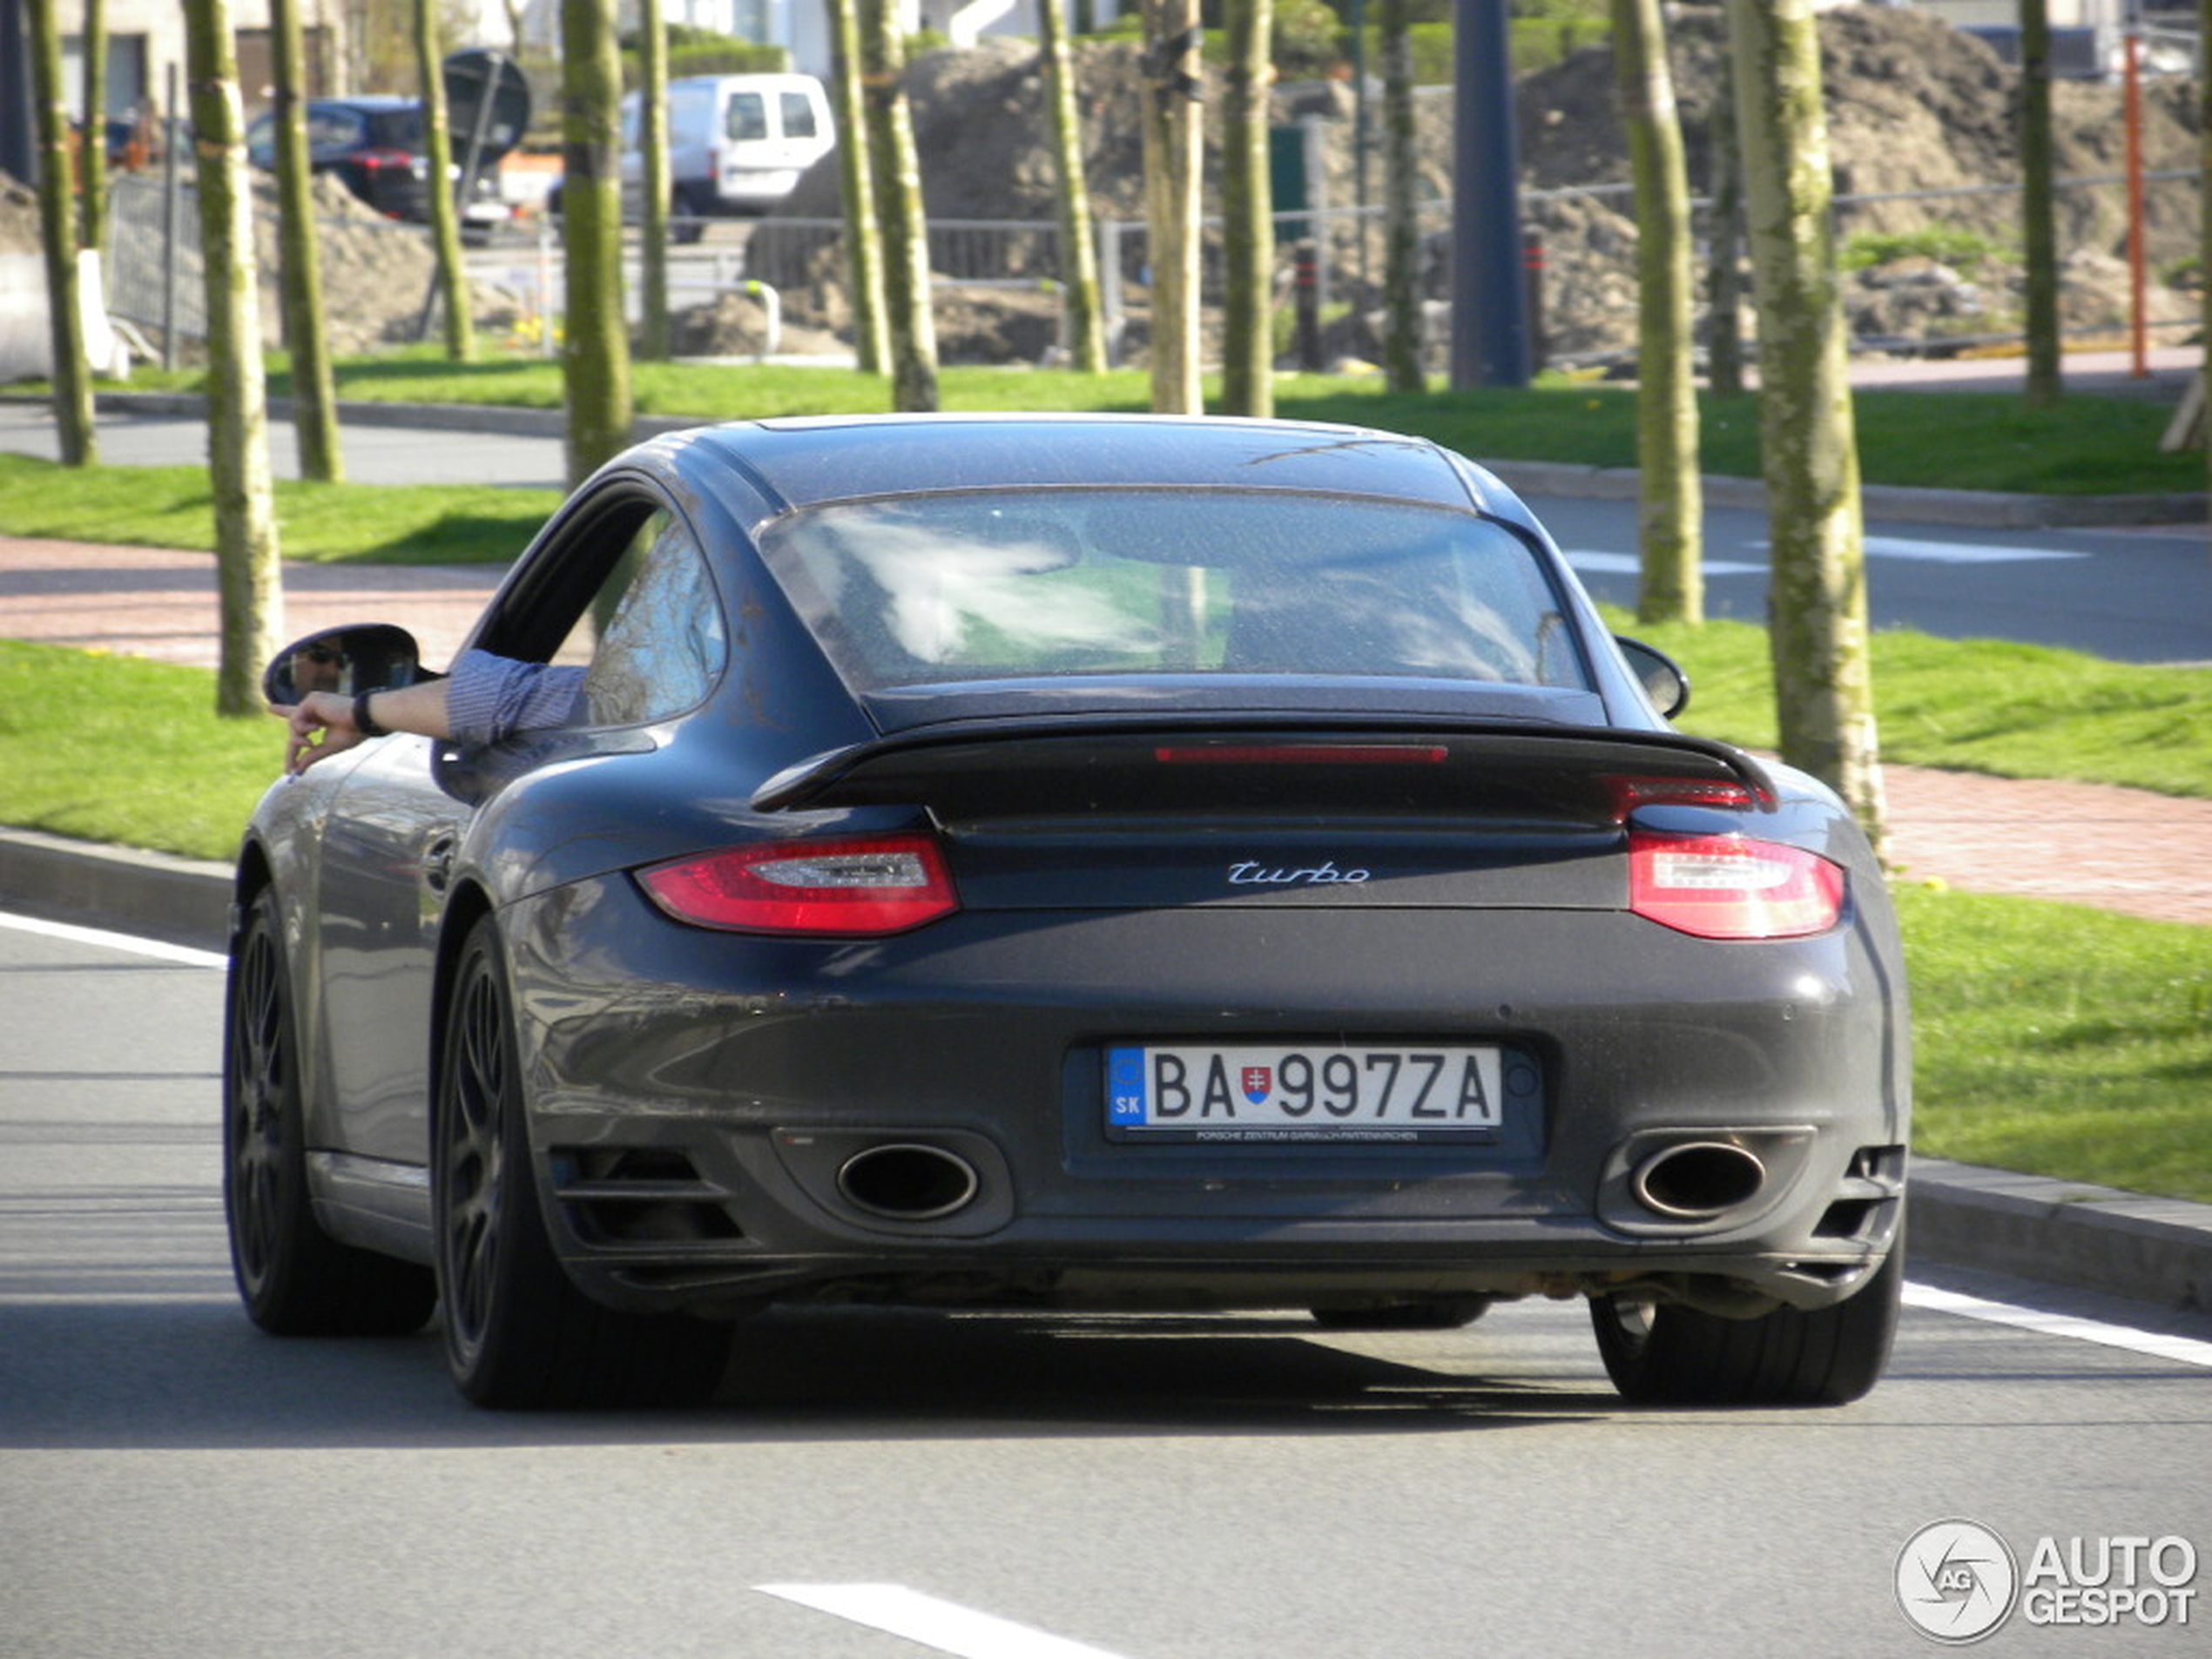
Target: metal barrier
1586,266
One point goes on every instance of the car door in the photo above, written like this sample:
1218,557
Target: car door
618,591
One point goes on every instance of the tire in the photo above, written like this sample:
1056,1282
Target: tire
518,1333
293,1278
1676,1356
690,211
1429,1314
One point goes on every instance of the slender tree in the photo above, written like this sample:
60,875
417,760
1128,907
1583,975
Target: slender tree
896,176
93,181
1670,521
1172,142
249,572
653,142
595,342
445,212
2038,224
1724,286
1079,253
1247,213
2204,225
1823,687
855,176
314,396
1402,329
57,228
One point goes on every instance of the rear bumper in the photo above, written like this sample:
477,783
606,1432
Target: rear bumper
697,1099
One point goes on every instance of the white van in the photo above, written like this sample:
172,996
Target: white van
736,143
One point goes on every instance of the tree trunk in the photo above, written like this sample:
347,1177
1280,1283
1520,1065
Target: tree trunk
653,130
1402,321
2039,227
445,214
93,174
1078,251
1823,690
595,343
1671,517
863,230
80,445
314,398
248,571
2204,219
1247,210
1724,290
897,177
1171,135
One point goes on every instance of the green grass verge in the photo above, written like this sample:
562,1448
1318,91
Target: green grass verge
2050,1038
173,507
2062,1040
77,758
2085,445
1989,706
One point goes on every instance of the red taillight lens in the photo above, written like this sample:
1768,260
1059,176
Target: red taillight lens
846,887
1726,886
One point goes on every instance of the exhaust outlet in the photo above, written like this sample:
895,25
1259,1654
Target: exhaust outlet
1698,1180
908,1181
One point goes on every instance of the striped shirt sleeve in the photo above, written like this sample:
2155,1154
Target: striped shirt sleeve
490,697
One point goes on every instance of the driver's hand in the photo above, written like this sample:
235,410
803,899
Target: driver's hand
321,725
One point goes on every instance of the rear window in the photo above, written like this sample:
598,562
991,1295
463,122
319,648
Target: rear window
1018,585
746,117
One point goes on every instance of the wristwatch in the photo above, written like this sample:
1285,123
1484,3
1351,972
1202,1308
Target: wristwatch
364,722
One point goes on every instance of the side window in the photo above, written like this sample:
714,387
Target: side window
653,637
799,116
747,117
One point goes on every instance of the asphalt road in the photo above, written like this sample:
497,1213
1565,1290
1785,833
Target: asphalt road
2130,595
174,1484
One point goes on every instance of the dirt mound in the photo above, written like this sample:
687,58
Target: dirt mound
1914,105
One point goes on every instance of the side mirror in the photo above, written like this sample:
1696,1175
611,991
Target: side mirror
363,657
1661,675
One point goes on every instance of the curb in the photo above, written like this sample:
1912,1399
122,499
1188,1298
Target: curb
1976,509
2059,1232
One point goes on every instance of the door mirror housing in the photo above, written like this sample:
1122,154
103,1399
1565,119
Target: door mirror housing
361,657
1662,678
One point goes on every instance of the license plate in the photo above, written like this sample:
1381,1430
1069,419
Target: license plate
1314,1092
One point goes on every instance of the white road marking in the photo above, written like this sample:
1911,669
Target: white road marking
154,948
946,1626
1596,564
2187,1349
1901,547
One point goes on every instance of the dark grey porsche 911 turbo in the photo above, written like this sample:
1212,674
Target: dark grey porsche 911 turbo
1119,862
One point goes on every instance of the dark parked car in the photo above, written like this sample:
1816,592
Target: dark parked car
1062,862
377,145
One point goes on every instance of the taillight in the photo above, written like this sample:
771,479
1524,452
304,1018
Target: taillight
853,885
1726,887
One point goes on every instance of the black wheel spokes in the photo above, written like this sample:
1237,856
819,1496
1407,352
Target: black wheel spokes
475,1163
259,1075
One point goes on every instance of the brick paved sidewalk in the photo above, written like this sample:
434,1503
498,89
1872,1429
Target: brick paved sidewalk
2122,849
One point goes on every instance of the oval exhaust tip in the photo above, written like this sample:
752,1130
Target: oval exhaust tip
1698,1181
908,1181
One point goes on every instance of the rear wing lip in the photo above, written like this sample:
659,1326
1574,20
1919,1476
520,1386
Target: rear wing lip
842,777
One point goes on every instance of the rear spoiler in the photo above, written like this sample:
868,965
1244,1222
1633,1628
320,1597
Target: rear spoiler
1303,762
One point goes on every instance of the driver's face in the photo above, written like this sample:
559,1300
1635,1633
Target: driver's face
317,669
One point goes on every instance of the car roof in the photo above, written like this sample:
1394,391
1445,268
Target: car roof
806,461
